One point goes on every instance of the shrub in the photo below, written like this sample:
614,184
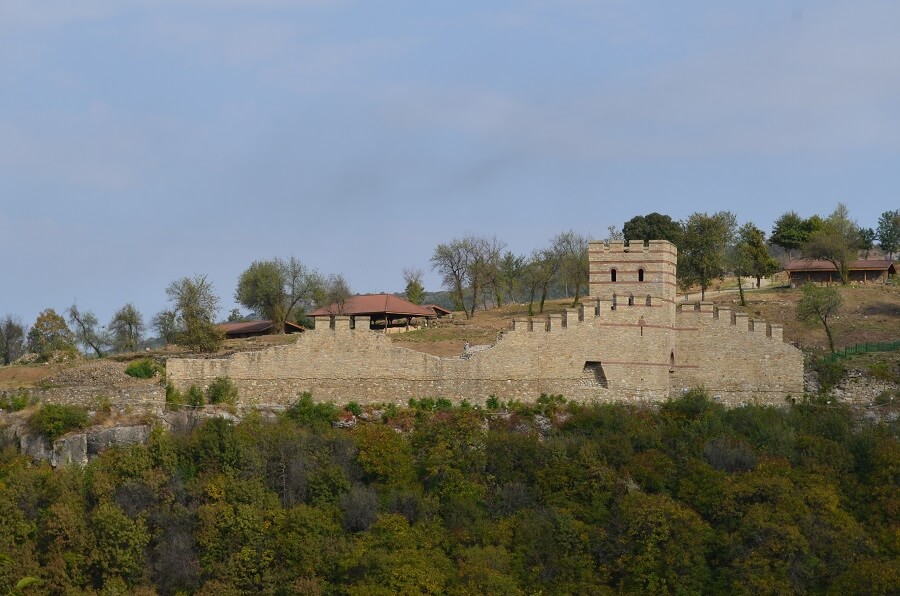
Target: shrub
492,403
730,455
222,391
144,368
195,397
308,413
443,403
15,401
828,372
174,398
354,408
55,420
884,398
883,371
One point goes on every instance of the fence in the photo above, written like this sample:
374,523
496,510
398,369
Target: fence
882,346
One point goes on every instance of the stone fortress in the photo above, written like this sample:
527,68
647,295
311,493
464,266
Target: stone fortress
629,341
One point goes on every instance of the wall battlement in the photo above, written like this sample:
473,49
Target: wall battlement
627,341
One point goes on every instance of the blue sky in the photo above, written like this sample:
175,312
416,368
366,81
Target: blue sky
144,141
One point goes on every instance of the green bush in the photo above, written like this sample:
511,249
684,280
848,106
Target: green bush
443,403
354,408
195,397
144,368
828,372
222,391
55,420
884,398
883,371
15,401
492,403
308,413
174,398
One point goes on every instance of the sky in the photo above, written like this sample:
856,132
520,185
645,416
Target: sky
142,141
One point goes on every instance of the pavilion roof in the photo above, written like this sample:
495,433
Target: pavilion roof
375,304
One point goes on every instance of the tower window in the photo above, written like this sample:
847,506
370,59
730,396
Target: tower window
648,299
640,275
612,275
630,299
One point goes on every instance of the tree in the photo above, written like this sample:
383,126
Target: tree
336,292
572,250
50,334
790,232
654,226
126,328
275,289
165,322
545,265
751,256
511,277
889,232
836,241
415,291
467,262
702,254
613,234
866,240
817,304
451,262
88,331
195,305
12,339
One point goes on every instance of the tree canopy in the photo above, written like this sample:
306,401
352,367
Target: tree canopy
279,289
702,254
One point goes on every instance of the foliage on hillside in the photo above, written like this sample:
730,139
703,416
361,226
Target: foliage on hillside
686,498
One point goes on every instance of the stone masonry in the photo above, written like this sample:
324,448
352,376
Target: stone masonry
628,341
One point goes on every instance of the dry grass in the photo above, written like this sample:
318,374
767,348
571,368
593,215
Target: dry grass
868,314
17,376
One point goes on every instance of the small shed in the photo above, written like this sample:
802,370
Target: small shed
439,311
864,271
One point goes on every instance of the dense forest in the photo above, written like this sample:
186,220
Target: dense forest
550,498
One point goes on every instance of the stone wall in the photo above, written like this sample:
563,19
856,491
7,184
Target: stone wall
626,343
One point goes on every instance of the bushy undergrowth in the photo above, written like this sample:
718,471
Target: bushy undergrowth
222,390
15,400
144,368
689,497
828,372
55,420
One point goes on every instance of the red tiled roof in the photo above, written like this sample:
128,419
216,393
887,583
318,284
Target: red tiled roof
437,308
860,265
375,304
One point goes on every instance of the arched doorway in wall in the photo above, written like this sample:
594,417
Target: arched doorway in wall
594,375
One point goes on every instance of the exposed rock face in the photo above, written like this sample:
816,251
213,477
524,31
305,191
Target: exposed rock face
80,448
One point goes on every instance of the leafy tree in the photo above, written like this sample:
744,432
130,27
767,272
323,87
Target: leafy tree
836,241
120,543
572,251
889,232
751,256
276,289
126,328
866,240
653,226
817,304
702,254
511,277
195,305
791,231
88,331
49,334
415,291
12,339
165,322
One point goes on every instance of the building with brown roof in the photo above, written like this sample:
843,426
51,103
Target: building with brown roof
875,271
384,310
439,311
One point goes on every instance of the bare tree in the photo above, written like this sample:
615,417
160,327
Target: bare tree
451,261
88,331
195,305
571,249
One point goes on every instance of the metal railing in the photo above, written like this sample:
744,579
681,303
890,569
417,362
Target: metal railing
881,346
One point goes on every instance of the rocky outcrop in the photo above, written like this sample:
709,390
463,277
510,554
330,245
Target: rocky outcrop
81,447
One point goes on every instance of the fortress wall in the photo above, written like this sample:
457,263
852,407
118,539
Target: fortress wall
735,359
361,365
